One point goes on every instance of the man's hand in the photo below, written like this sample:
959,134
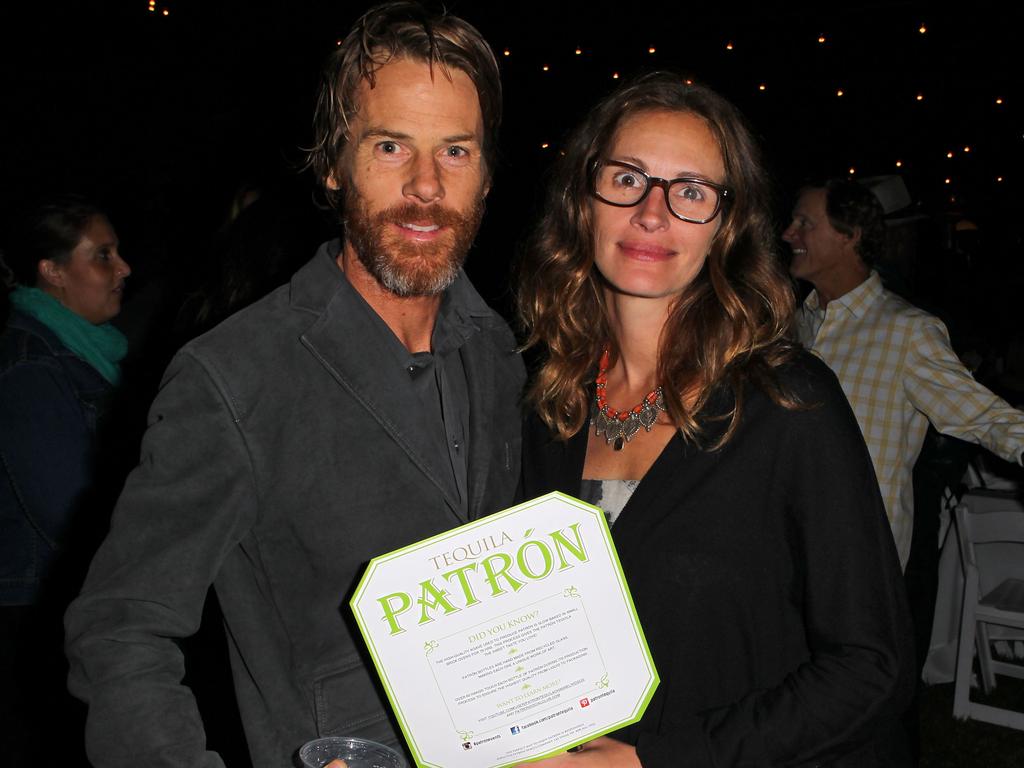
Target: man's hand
599,753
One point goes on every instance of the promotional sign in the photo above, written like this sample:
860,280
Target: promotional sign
507,639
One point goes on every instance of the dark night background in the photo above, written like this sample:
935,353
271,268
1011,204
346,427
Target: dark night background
163,117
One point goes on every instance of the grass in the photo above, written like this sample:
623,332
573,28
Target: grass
950,743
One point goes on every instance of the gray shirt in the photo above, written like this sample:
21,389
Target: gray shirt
438,399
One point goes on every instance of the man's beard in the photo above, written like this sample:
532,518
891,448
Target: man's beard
405,267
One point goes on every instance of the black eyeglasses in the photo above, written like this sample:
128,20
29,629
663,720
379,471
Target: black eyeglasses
624,185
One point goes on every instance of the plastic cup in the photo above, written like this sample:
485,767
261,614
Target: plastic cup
356,752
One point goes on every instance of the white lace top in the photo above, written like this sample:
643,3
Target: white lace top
609,495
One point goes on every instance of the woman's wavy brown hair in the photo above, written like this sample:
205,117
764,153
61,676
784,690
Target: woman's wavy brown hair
729,327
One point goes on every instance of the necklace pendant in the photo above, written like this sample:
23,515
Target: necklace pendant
648,416
630,428
613,431
620,427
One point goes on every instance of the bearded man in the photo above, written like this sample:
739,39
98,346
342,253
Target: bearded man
370,403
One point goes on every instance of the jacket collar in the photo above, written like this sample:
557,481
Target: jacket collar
88,381
339,336
320,280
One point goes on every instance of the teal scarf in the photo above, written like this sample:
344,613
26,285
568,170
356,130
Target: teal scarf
101,346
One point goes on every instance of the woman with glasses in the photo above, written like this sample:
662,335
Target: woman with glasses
742,500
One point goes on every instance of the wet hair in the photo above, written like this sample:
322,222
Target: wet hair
728,327
399,30
50,230
851,207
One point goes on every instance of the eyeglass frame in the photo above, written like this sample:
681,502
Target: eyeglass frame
723,201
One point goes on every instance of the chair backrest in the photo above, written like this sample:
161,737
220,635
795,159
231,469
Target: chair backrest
992,500
973,528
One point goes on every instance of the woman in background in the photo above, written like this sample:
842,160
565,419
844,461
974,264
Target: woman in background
744,506
59,363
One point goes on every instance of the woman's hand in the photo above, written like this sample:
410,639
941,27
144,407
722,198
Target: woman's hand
599,753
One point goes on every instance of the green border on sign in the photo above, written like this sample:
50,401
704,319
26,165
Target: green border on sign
490,519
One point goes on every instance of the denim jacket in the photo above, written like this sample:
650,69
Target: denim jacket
50,403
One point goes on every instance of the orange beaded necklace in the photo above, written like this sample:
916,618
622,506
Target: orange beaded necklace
619,427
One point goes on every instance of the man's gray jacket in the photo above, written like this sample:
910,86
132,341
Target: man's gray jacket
274,467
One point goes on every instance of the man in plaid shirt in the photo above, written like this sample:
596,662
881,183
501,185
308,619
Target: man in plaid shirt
893,360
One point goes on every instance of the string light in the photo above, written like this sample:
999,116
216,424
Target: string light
729,46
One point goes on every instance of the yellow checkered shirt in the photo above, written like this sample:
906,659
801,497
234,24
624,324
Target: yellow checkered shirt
896,365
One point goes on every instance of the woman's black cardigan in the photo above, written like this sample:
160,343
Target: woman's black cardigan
766,580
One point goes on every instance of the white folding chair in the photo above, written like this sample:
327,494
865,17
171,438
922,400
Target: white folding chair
1002,605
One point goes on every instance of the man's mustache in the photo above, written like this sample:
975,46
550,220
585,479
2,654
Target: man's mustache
410,213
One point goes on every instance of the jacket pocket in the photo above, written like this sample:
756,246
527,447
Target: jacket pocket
349,702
